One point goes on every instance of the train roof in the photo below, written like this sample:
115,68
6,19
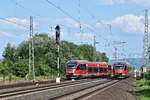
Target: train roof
78,61
99,62
86,61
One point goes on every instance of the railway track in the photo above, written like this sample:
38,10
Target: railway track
18,92
87,92
25,83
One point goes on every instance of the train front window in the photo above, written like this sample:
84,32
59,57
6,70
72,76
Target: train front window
119,67
82,67
71,65
109,67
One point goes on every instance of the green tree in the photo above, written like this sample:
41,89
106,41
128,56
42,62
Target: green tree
85,52
101,57
9,58
16,59
20,68
4,70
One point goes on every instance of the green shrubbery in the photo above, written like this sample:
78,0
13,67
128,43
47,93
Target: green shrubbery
15,59
143,92
147,76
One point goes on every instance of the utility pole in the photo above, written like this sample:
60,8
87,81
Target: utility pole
51,29
94,48
33,66
115,44
115,53
31,52
57,29
30,56
145,39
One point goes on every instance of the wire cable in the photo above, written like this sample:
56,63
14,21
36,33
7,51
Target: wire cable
13,22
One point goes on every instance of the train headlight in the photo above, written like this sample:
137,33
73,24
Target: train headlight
73,71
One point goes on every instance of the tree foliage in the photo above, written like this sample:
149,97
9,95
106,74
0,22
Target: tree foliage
16,59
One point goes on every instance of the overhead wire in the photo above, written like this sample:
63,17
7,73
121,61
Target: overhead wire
13,22
109,41
29,11
66,13
108,25
25,8
62,11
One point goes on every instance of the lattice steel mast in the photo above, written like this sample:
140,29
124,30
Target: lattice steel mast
31,51
145,40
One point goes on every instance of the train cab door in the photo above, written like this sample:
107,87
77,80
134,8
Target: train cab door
125,69
81,69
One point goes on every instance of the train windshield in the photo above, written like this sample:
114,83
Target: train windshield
71,65
119,67
109,67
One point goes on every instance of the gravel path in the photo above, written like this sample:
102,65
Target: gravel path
124,90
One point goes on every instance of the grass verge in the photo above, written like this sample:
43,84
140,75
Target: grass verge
143,90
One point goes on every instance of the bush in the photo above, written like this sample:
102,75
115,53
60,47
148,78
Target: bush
147,76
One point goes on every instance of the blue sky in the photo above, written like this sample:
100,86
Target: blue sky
125,16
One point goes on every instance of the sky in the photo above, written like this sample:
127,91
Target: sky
115,23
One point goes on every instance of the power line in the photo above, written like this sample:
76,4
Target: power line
79,5
110,41
15,23
61,10
23,7
64,12
105,24
89,27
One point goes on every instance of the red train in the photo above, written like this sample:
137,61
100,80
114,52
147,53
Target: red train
120,69
82,69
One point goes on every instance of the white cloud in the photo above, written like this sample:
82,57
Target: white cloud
15,22
71,22
142,2
63,35
106,2
102,24
12,26
113,2
129,23
6,34
84,36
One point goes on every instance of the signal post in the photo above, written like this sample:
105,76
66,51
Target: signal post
57,29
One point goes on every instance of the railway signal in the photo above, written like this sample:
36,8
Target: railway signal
57,29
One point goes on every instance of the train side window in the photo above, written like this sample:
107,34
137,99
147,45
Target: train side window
95,69
101,69
89,69
105,70
82,67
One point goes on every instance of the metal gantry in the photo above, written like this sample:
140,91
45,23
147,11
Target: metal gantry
145,39
115,44
31,73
